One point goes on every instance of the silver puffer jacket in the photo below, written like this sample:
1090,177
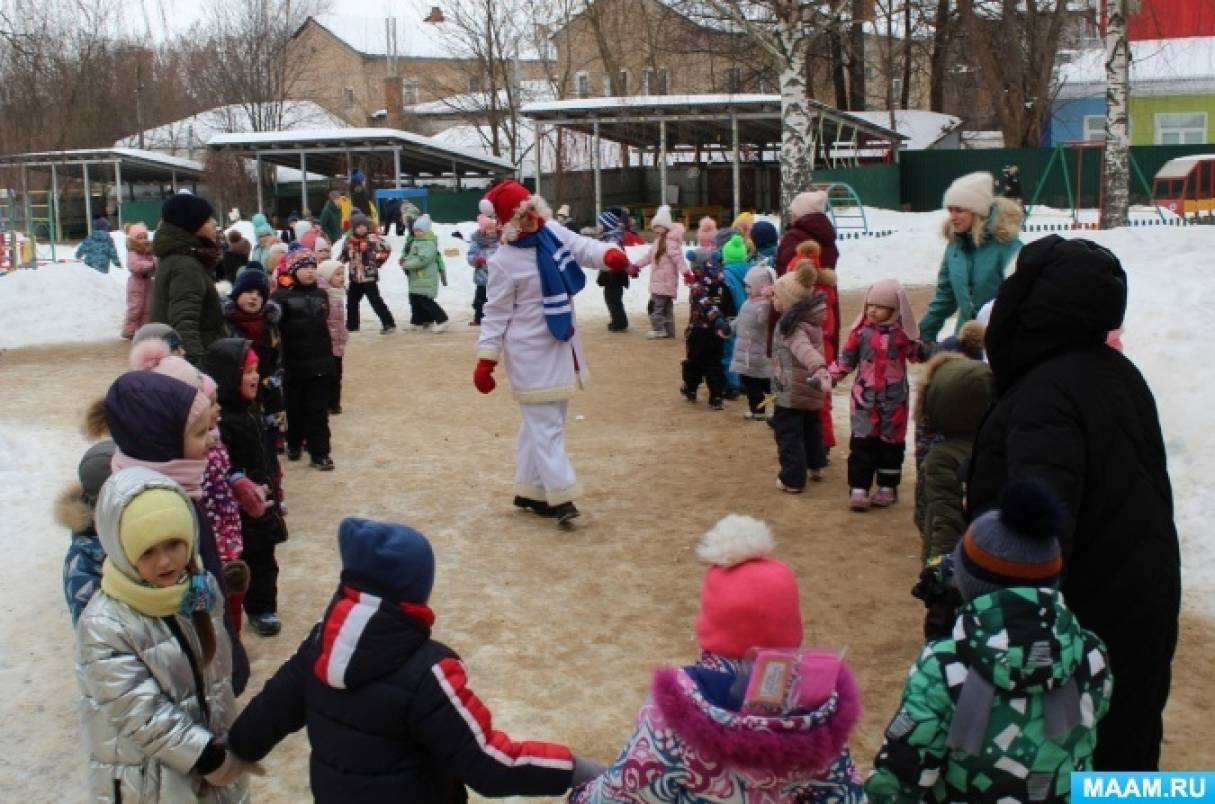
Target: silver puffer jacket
143,720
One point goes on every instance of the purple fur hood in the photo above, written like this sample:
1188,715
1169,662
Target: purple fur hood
778,745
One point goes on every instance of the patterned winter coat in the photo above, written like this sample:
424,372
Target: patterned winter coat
364,256
974,267
1027,645
481,244
422,265
82,564
337,317
148,706
797,356
667,267
880,392
707,292
97,251
693,745
221,507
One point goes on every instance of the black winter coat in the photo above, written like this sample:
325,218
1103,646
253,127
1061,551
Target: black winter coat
183,292
391,718
307,348
242,431
1078,415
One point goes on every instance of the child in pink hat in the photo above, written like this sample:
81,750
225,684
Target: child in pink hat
757,718
141,264
882,340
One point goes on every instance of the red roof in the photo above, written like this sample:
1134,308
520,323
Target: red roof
1173,19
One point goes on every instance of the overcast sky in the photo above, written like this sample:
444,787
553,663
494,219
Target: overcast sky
170,17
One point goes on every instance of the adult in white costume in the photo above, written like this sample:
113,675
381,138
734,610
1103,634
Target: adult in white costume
529,322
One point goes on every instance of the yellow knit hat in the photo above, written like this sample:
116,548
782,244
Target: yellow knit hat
154,516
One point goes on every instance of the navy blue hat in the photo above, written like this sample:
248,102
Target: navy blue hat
186,211
101,224
250,278
763,234
396,560
609,220
147,413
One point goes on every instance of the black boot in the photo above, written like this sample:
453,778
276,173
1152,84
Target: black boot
564,513
528,504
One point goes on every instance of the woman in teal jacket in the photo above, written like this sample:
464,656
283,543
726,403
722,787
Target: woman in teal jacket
984,238
424,267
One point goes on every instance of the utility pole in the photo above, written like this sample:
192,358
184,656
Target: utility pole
1116,162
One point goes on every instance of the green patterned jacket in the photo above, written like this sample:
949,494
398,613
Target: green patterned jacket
1025,642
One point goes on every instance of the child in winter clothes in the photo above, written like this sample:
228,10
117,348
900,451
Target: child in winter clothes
706,232
709,305
751,328
274,260
308,356
223,513
765,239
97,250
141,264
364,252
614,283
667,264
152,660
1006,708
236,255
882,341
424,266
735,264
251,314
74,510
956,395
799,377
234,365
264,233
331,276
742,724
389,712
481,247
810,250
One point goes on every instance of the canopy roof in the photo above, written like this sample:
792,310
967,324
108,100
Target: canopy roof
137,165
325,150
704,121
1180,167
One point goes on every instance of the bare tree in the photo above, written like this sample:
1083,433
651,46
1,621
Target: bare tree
1116,168
1014,45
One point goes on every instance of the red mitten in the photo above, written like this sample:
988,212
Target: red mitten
616,260
634,271
689,278
483,375
479,262
250,496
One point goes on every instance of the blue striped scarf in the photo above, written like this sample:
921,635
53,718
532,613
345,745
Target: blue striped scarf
560,280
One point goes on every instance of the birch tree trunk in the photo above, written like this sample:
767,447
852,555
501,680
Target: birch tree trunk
1116,168
796,122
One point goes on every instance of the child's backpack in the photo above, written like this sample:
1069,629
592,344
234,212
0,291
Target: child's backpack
442,266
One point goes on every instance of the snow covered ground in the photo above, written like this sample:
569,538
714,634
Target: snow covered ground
1172,288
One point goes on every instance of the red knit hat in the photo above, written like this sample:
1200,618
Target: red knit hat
504,200
748,599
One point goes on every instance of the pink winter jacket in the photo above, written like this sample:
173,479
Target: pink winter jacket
139,291
668,266
797,356
689,745
337,318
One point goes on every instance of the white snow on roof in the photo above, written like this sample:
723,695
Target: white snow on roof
646,100
415,39
921,128
1157,66
191,134
352,135
1181,166
102,154
529,92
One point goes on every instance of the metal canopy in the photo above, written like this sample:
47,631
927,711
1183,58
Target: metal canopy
327,152
704,122
135,165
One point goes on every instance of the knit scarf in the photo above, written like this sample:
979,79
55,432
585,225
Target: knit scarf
251,325
187,473
191,593
560,280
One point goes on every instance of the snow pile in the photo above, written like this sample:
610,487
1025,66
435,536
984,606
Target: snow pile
58,303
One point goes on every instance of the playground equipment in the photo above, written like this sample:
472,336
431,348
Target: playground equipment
1186,185
844,207
1059,157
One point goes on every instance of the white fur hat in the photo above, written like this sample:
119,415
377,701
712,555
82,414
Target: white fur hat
974,191
808,203
662,218
422,224
301,228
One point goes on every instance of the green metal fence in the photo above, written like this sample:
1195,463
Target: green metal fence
877,185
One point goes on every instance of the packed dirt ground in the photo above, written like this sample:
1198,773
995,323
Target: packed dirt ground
561,630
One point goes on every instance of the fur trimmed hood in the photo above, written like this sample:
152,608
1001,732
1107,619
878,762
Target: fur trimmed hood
827,276
801,744
1003,223
71,510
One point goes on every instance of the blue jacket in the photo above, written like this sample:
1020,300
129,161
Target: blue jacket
82,564
481,245
970,274
97,251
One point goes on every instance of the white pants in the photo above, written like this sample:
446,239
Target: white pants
542,469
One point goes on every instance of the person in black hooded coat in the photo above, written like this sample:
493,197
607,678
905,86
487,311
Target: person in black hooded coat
1078,415
242,431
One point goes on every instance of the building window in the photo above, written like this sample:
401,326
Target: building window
474,84
348,97
607,86
1185,128
623,80
896,88
734,80
870,72
664,81
764,86
409,92
582,85
647,81
1094,128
